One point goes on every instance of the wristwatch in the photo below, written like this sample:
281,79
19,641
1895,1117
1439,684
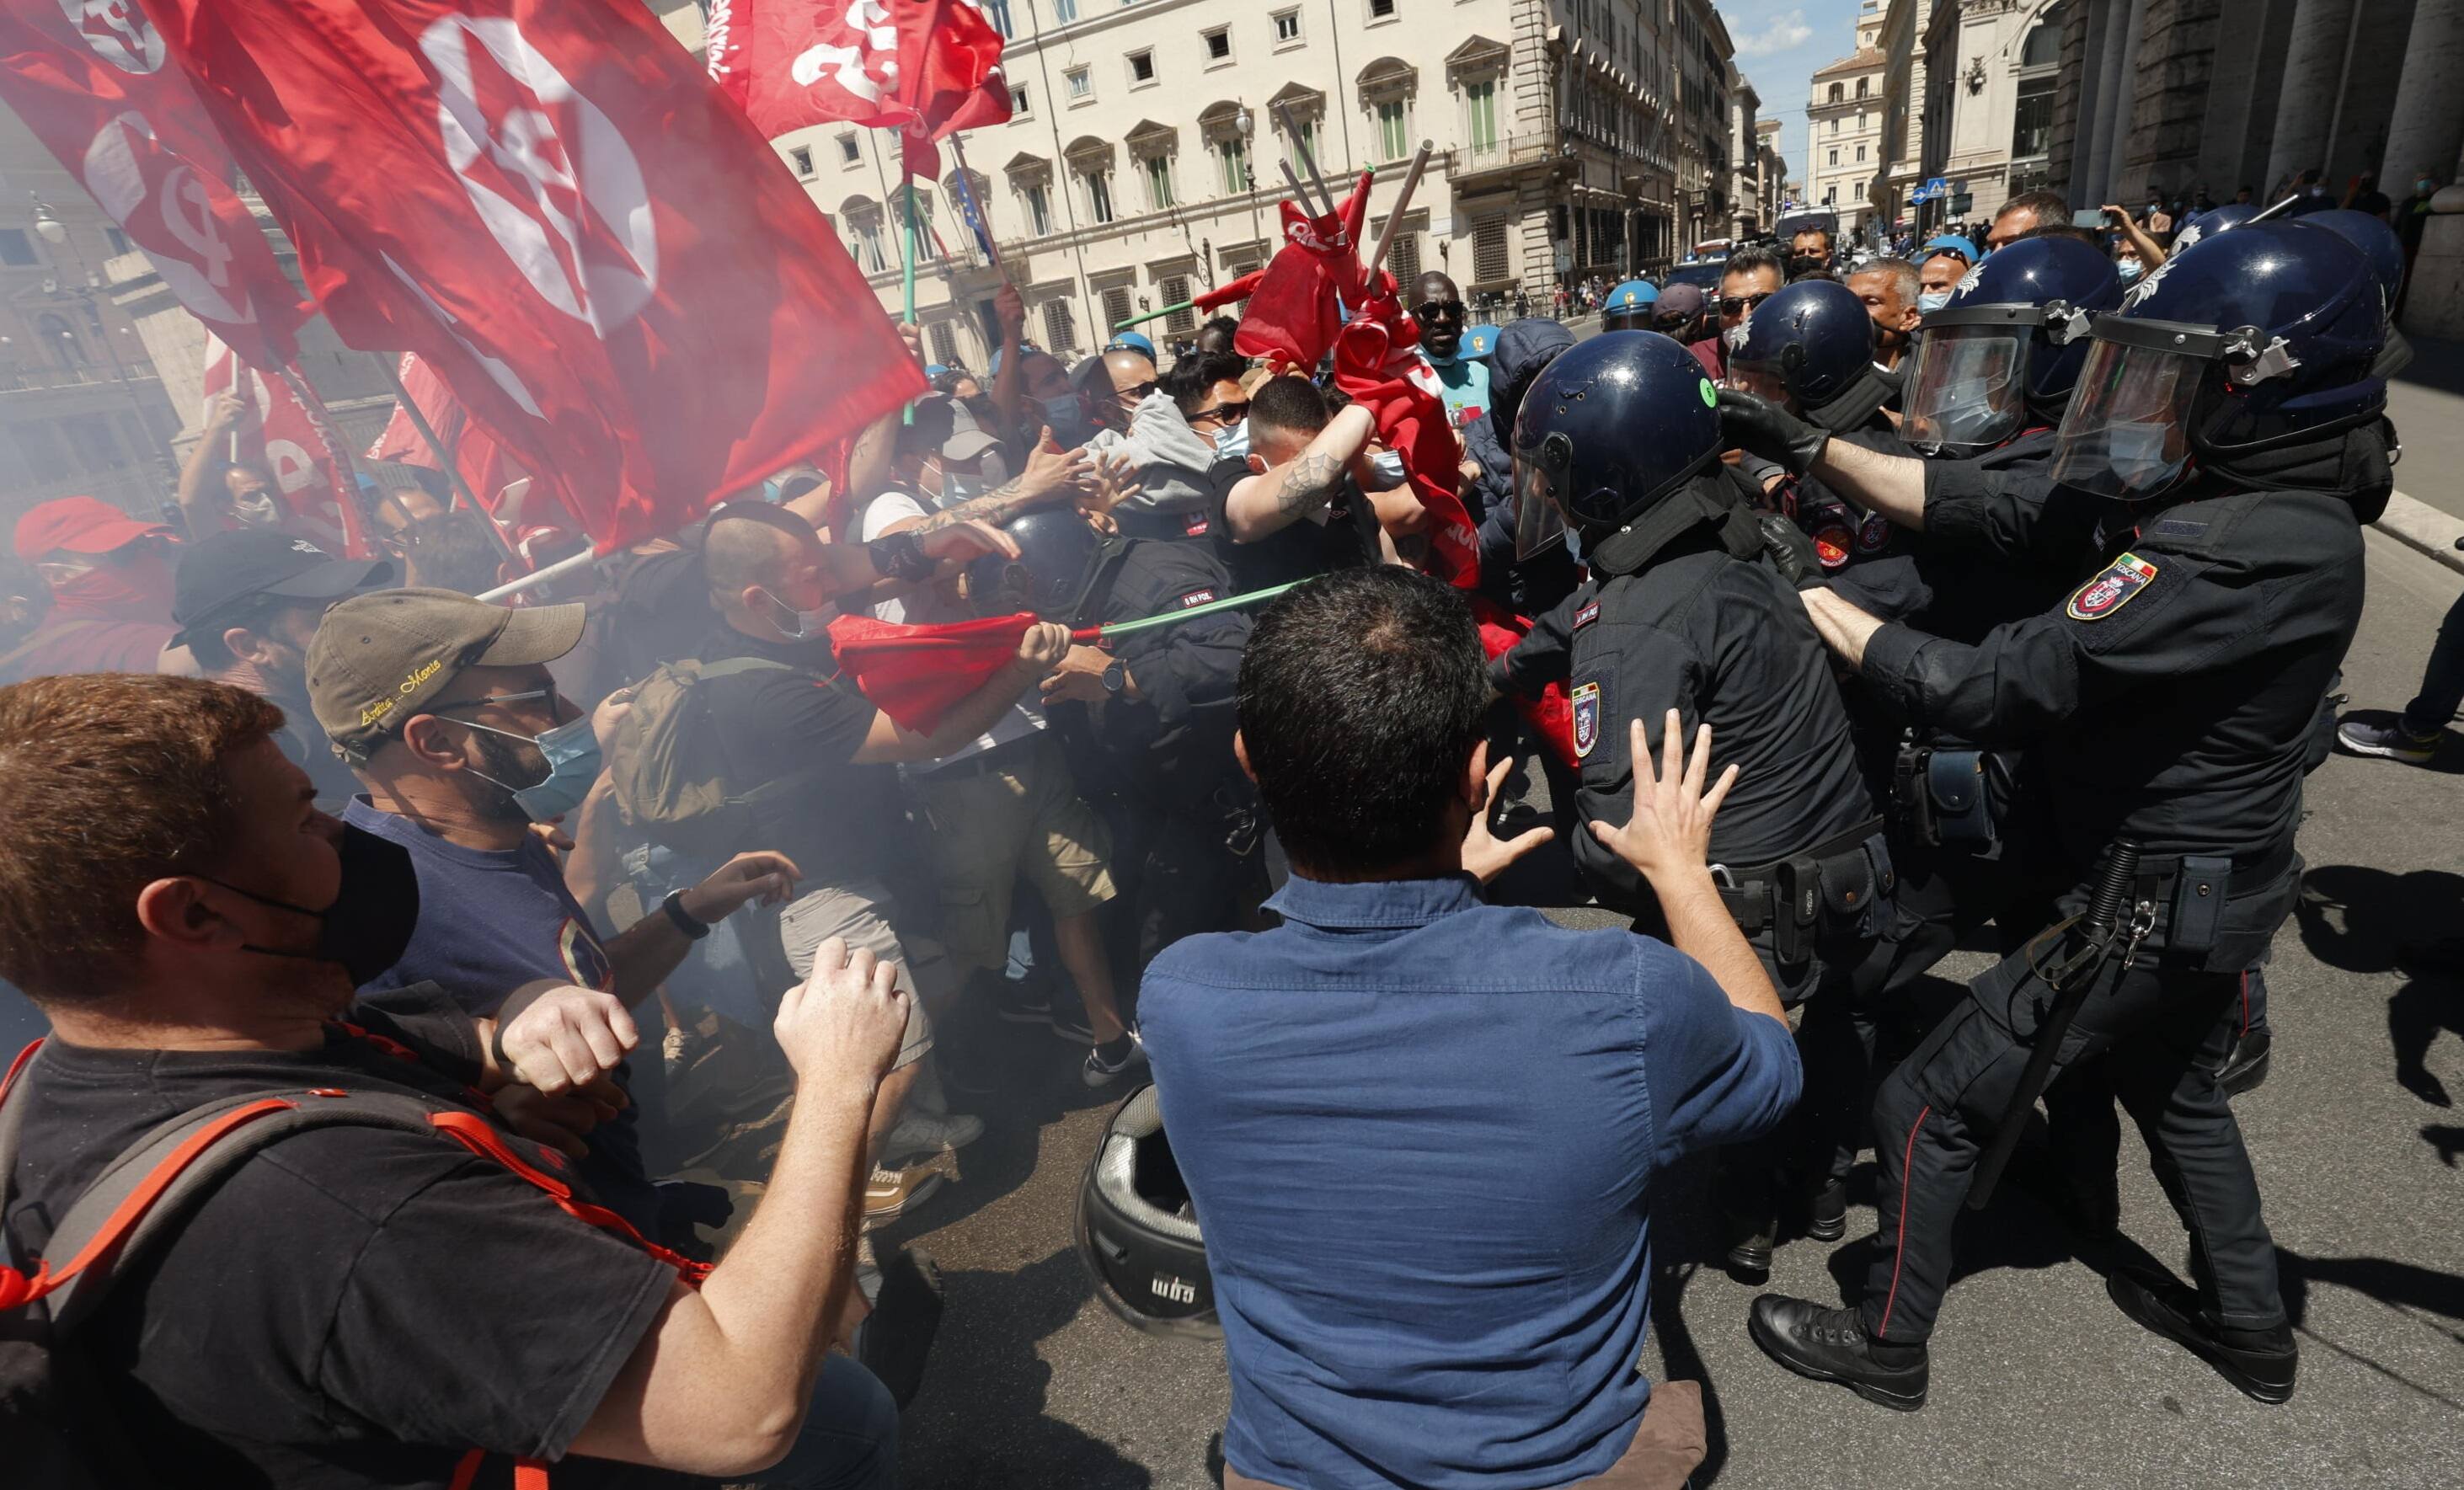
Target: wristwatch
694,928
1117,677
900,555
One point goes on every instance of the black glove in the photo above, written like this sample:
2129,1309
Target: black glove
1761,427
1792,552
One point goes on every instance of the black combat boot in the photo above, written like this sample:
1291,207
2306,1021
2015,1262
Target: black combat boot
2260,1362
1831,1345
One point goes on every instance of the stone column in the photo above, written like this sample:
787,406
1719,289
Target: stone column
2426,131
2232,87
2099,17
2366,100
2434,305
2314,75
2123,106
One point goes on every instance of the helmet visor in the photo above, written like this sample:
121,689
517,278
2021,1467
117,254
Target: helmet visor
2127,434
1539,526
1969,388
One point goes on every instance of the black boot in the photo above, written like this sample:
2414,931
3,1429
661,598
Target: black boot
2260,1362
1830,1344
1749,1209
2247,1065
1828,1219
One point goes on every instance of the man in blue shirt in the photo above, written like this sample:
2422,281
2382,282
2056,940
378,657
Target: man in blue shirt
1421,1132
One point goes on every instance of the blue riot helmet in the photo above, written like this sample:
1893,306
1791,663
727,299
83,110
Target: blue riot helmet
1058,557
2214,220
2007,350
1811,347
1630,307
2247,341
1614,427
2380,246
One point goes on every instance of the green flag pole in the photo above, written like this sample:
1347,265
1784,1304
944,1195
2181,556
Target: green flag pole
907,267
1175,617
1124,325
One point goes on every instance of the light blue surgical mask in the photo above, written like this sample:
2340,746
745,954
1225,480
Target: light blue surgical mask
1066,417
1233,443
1388,467
1933,300
1574,545
2129,269
572,752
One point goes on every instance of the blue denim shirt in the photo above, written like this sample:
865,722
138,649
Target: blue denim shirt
1421,1132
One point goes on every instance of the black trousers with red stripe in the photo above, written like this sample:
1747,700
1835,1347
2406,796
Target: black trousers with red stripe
2157,1035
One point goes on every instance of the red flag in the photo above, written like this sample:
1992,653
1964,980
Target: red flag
1375,364
482,462
284,428
552,207
1292,314
915,674
88,77
1550,715
925,68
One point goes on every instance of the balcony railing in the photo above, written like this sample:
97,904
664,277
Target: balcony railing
20,377
1505,151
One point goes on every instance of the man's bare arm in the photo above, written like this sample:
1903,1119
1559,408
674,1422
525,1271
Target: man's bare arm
1265,504
1844,628
888,741
1892,485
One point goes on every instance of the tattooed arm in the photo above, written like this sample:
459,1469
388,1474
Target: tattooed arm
1259,505
1052,474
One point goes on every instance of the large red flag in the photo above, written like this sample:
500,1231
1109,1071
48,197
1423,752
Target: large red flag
482,463
1293,315
285,430
1376,364
915,674
927,68
88,76
555,208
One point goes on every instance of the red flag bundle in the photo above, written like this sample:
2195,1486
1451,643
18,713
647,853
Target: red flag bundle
925,68
1376,364
555,208
1292,313
1550,715
482,462
284,428
915,674
89,79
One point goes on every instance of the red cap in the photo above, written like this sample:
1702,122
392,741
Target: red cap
80,525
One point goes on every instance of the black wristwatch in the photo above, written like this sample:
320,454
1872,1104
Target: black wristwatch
901,556
693,929
1117,677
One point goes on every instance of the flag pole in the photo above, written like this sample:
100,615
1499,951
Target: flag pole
967,183
907,266
1394,210
1124,325
555,571
1175,617
462,497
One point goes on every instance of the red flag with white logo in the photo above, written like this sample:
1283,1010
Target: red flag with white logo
925,68
551,204
284,430
1293,315
1376,365
482,461
90,78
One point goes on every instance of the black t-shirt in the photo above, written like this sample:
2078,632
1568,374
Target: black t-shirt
353,1305
841,826
1299,550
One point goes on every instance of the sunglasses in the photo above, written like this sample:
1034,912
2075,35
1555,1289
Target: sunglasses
1438,310
1739,304
1225,413
549,694
1138,392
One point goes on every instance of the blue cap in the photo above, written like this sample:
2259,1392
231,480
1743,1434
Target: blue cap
1631,293
1950,243
1022,346
1478,340
1130,341
934,369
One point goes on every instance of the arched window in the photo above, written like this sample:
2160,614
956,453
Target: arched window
1837,94
2043,46
1864,86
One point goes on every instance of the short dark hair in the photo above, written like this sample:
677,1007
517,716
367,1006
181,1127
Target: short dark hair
2048,206
205,638
1362,694
1290,403
1814,227
1753,256
2046,229
1194,376
108,782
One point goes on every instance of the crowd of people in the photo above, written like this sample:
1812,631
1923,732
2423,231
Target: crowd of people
645,965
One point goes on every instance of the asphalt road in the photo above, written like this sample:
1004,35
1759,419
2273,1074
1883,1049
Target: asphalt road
2038,1380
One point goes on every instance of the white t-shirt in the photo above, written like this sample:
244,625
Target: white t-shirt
887,510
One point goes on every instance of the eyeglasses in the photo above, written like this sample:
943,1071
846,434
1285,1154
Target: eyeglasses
547,694
1224,414
1739,304
1138,392
1438,310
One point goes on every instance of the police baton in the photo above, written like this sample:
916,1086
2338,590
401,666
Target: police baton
2098,934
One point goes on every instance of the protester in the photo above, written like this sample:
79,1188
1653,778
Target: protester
1681,314
2367,197
2027,211
1889,287
1750,276
109,579
2414,734
1940,266
1438,307
1300,510
1435,1346
1808,252
385,1305
218,491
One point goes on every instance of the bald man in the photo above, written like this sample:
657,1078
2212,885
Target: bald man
1132,374
784,718
1438,306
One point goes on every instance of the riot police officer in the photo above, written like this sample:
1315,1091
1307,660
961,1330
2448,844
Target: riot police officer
1149,721
1630,307
1617,447
2227,443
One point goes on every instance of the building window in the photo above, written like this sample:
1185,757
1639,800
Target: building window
1381,9
801,158
1175,290
2031,124
1403,258
60,340
1099,195
1039,209
1394,129
1861,152
1828,194
1835,94
120,243
1081,81
1232,155
1116,307
18,249
2043,46
1309,141
849,152
1219,44
1159,182
1060,326
945,342
1020,105
1834,158
1287,26
1064,11
997,11
1489,250
1141,67
1835,125
1479,100
1864,86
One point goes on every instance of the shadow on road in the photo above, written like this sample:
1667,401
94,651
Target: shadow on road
2368,920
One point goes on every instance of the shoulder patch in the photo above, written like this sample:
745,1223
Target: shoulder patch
2178,528
1874,534
2112,589
1195,524
1587,718
1586,615
1205,596
1831,544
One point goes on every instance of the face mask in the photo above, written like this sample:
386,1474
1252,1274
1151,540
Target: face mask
1389,467
1233,443
1933,300
2129,269
257,510
959,486
1574,545
2137,453
138,590
1067,416
801,626
572,752
2425,185
1800,265
368,926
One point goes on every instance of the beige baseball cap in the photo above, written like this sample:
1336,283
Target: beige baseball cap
379,657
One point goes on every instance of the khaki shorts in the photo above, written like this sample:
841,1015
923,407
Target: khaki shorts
860,913
1022,815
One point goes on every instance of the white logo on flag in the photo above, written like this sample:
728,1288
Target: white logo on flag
586,237
498,372
875,40
127,170
118,32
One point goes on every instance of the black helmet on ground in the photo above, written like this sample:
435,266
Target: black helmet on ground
1137,1233
1811,344
1058,557
2007,350
1609,429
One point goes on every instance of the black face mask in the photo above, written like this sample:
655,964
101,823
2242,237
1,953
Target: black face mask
368,926
1800,265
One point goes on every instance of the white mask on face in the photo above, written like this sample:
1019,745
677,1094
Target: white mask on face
1933,300
801,626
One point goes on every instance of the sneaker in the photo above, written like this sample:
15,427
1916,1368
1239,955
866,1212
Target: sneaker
2261,1362
1830,1344
922,1135
1071,1023
2380,731
1110,1061
889,1193
2247,1065
1828,1220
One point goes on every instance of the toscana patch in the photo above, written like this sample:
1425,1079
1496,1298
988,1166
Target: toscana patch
1586,719
2111,590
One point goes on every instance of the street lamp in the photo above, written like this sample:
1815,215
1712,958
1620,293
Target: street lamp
48,224
1247,123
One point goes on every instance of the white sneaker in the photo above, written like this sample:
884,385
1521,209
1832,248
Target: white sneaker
920,1135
